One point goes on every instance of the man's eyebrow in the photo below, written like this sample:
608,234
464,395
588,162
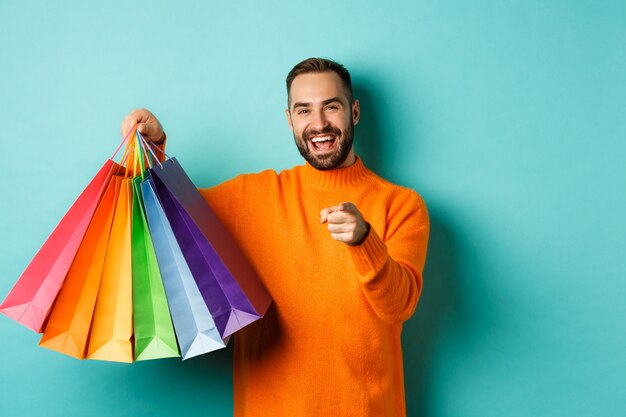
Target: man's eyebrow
300,104
332,100
325,102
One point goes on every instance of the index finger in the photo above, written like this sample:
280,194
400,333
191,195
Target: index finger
325,212
338,217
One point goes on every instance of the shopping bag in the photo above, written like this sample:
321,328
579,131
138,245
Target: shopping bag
154,334
195,329
111,332
31,298
229,285
137,270
70,319
205,266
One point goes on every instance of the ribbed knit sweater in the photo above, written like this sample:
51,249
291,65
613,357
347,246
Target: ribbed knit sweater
330,344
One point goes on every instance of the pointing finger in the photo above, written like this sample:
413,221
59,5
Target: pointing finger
324,216
341,217
326,212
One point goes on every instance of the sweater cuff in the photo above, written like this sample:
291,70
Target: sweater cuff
369,257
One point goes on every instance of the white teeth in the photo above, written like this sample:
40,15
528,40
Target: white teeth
322,139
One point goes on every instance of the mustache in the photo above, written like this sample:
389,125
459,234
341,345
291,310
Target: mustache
329,130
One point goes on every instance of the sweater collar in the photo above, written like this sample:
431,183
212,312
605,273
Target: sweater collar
335,178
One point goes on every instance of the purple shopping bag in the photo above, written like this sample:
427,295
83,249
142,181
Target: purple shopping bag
230,287
195,328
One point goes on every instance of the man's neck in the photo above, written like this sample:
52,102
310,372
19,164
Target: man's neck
349,161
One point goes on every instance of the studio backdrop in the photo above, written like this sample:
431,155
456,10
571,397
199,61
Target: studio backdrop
508,117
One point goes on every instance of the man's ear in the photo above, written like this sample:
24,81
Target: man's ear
356,111
288,115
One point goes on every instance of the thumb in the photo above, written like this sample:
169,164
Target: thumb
151,131
348,207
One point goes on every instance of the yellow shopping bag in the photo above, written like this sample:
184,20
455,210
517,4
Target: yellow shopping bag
111,333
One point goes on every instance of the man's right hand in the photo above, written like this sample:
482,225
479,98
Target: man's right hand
147,124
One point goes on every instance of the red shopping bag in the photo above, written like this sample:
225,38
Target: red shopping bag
31,298
33,295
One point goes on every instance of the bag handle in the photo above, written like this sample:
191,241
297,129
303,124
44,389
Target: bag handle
146,146
138,154
139,149
128,135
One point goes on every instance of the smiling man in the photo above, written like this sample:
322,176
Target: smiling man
340,250
323,126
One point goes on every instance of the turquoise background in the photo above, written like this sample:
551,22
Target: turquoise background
509,117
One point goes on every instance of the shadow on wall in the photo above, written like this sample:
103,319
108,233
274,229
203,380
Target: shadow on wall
207,376
440,299
438,302
367,141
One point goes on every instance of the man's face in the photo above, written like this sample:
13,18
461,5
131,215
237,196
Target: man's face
322,120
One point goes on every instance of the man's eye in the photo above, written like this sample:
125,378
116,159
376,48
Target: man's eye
331,107
303,111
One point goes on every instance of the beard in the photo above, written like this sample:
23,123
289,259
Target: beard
331,160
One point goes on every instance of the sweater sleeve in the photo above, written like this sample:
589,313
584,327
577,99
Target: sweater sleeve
224,200
390,270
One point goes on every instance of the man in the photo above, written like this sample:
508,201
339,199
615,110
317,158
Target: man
340,250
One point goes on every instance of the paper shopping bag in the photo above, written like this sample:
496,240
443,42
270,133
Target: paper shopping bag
111,332
70,319
228,306
231,288
194,326
31,298
154,333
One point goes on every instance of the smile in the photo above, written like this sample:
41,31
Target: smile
323,143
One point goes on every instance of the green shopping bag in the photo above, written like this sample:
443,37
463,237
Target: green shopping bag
154,333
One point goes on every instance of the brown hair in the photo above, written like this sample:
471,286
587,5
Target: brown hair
312,65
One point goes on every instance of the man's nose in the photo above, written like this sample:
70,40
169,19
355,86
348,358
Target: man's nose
319,121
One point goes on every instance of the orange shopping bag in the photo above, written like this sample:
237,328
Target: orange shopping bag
70,319
111,332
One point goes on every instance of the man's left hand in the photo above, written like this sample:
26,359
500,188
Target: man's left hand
345,223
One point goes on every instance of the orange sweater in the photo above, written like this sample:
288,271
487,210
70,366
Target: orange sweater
330,345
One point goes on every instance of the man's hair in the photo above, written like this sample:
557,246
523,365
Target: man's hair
317,65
